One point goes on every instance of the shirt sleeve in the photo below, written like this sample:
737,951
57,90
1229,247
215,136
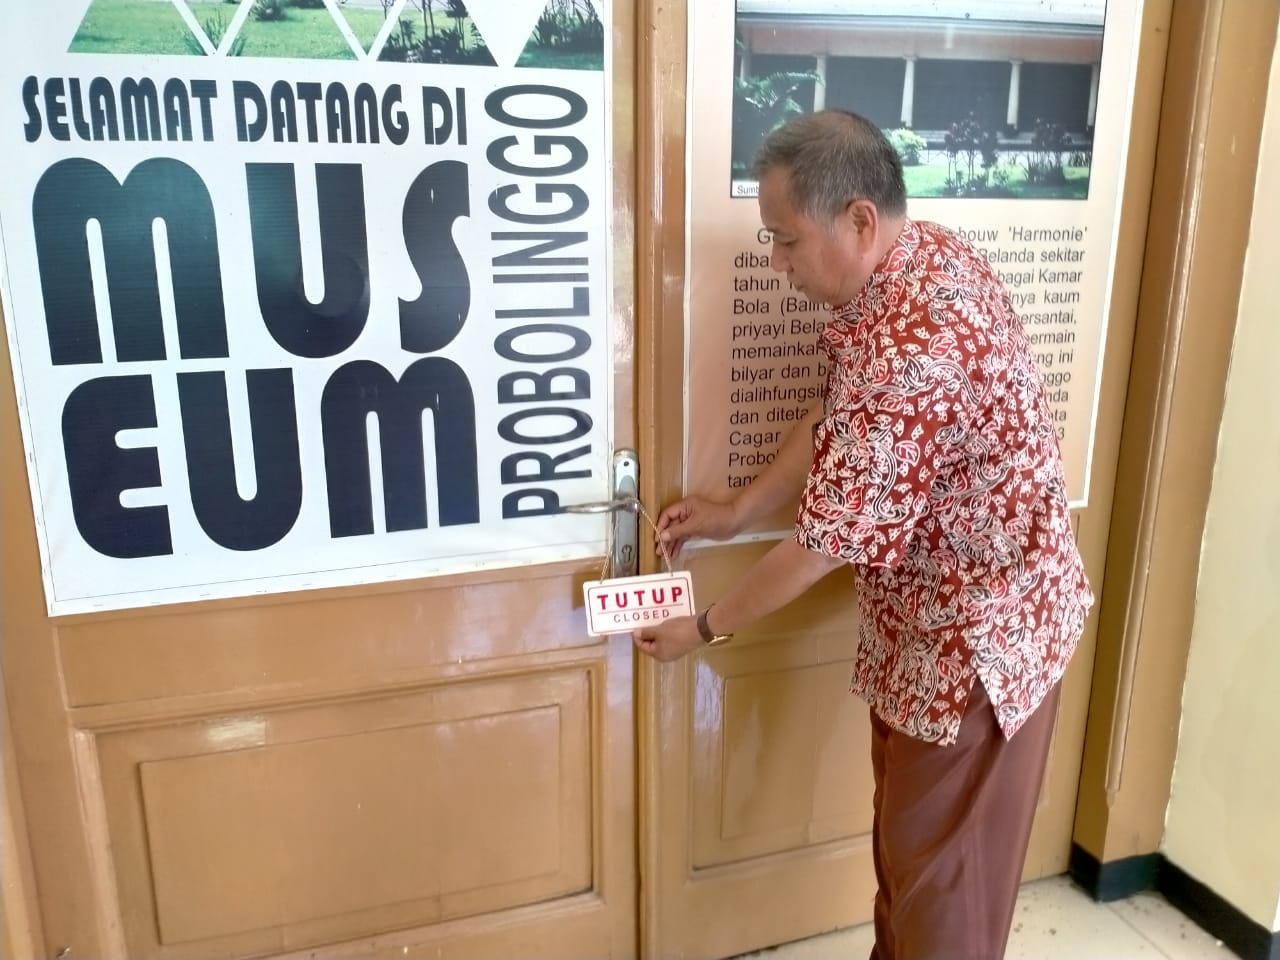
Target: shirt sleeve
876,457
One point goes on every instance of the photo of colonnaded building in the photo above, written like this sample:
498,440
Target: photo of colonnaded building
981,98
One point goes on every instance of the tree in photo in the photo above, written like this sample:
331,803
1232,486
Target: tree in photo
570,25
972,161
569,35
761,104
909,145
457,11
215,28
437,44
1049,141
428,10
269,11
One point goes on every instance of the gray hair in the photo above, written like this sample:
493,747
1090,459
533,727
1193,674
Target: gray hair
835,157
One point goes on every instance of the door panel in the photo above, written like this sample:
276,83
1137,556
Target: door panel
775,735
272,646
425,768
754,761
772,772
760,749
421,767
351,818
755,783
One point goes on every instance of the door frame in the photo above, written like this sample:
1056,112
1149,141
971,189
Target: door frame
1209,122
1179,256
21,932
660,256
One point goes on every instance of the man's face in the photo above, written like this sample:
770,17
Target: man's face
821,262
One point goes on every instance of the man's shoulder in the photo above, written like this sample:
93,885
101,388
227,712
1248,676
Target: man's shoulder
948,242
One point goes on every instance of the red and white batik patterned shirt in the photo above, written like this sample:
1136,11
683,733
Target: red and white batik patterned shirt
937,475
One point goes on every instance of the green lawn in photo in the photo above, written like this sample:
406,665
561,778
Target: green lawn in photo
365,24
451,41
925,180
928,180
135,26
554,60
304,34
1076,187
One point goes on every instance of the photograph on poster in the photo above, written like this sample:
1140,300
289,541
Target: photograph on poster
981,98
569,34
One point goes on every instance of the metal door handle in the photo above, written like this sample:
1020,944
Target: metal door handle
625,535
627,504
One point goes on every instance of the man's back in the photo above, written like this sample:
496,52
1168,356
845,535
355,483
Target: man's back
938,475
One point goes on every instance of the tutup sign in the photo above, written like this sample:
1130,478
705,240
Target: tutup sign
626,603
309,309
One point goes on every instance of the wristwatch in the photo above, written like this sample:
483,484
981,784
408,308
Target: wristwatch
709,638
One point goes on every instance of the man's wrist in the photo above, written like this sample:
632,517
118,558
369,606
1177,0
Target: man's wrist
736,518
710,637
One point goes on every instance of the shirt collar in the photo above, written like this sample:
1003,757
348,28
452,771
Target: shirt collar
847,328
887,274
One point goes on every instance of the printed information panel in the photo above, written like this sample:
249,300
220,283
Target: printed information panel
305,293
1010,118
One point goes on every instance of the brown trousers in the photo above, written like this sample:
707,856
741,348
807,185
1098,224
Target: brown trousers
950,833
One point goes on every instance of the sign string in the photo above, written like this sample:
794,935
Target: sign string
662,545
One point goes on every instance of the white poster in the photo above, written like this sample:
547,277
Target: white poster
1011,120
305,293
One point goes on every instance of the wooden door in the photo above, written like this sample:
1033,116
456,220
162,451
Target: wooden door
755,776
438,767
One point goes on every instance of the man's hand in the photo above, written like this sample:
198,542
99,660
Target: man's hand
671,641
695,517
777,578
778,485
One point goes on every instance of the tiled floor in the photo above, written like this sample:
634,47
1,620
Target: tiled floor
1055,920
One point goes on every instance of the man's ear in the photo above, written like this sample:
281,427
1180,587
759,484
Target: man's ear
864,218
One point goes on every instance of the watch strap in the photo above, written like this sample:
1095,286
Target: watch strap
704,630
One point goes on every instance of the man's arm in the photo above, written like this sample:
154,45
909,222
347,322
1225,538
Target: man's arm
780,576
779,484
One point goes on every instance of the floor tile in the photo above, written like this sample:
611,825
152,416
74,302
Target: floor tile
1054,920
1169,929
852,944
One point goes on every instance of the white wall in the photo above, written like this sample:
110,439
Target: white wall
1223,823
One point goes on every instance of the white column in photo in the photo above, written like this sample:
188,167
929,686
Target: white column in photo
820,85
1091,119
1015,86
744,65
908,91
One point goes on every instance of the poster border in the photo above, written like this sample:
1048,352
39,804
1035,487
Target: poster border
1134,11
367,573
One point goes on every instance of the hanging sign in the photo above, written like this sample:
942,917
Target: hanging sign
626,604
305,293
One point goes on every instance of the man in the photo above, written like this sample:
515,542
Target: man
932,468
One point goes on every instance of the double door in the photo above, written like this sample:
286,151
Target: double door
452,766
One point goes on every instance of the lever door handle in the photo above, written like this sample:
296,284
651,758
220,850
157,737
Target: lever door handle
625,504
624,510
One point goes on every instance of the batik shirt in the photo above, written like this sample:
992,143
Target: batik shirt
937,476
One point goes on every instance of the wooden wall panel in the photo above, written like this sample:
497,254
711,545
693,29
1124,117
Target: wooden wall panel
237,835
784,769
198,649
